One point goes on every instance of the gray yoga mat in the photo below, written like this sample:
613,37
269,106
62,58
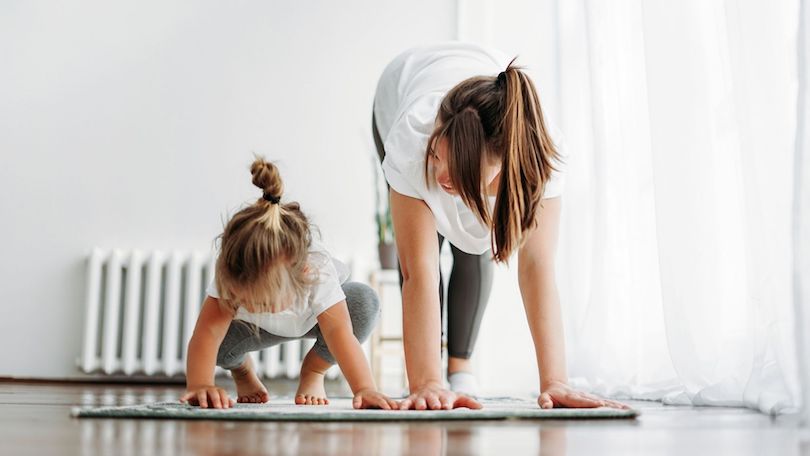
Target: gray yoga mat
340,409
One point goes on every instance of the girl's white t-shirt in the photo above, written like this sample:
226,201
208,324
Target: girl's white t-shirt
405,106
298,319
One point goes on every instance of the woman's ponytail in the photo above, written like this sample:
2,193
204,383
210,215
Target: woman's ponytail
528,153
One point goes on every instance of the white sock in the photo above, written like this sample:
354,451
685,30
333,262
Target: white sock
463,382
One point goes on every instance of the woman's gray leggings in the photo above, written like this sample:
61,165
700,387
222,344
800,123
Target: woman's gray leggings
242,337
467,292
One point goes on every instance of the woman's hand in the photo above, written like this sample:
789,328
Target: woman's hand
434,397
369,398
207,394
561,395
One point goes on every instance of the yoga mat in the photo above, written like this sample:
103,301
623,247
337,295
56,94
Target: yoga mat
340,409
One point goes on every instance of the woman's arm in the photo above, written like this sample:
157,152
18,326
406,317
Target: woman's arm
541,301
336,326
418,250
212,325
538,288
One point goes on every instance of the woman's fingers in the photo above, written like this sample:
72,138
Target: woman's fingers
407,403
545,401
431,400
446,402
564,396
382,403
393,404
466,401
580,401
617,405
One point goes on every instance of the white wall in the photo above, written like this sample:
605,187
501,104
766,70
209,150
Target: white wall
132,125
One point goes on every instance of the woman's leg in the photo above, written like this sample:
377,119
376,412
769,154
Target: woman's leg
467,296
378,142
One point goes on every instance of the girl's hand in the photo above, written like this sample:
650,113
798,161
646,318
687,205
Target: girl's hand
435,397
366,399
207,394
561,395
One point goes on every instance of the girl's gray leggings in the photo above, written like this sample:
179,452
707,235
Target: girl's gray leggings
468,290
242,337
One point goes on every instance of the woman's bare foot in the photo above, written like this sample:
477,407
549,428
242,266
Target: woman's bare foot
310,387
248,386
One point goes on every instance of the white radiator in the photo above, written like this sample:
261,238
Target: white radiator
141,310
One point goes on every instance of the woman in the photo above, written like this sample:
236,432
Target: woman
467,153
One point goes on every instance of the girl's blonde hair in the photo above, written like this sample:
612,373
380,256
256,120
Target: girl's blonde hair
497,118
264,247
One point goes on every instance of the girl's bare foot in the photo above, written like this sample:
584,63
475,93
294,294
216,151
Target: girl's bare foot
310,387
248,386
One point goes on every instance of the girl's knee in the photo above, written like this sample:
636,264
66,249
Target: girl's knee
227,360
364,306
361,297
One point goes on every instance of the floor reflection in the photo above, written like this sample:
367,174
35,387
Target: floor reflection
170,437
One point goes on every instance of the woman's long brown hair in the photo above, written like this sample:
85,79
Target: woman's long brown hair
497,119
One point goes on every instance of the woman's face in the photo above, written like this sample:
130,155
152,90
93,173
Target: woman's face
490,170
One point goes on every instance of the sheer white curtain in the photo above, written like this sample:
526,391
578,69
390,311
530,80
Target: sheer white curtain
676,249
676,255
801,227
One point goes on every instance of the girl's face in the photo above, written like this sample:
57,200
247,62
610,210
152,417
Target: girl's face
490,170
260,302
273,295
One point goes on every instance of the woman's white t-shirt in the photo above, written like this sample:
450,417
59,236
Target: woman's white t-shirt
298,319
405,106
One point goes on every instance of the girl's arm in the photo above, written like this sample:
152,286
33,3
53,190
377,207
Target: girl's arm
212,325
336,327
541,301
418,249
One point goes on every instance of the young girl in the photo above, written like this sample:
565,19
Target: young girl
275,283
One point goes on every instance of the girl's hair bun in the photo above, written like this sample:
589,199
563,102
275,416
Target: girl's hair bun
267,177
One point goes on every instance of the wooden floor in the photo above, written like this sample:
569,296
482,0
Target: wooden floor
35,420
